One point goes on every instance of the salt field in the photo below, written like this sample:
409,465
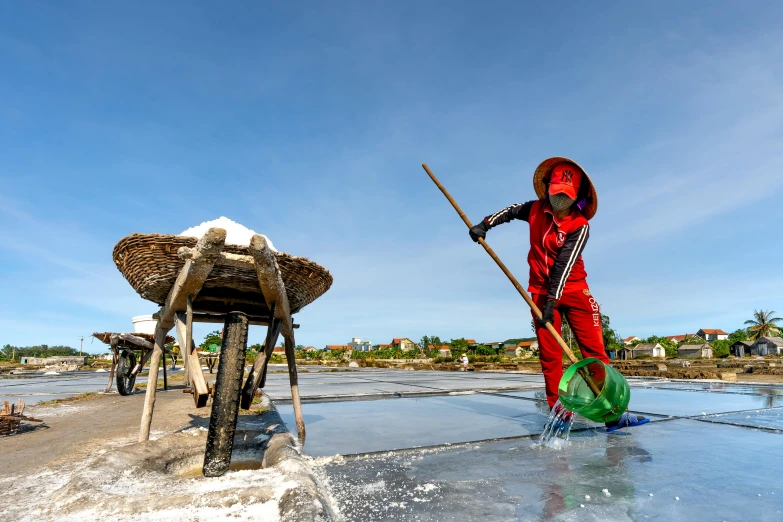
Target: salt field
423,446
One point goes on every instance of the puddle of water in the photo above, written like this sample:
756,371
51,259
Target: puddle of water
240,465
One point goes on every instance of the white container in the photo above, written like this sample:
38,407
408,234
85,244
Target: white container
144,324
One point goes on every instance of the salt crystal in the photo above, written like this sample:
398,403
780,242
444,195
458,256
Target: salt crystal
236,234
581,505
676,498
587,497
651,494
703,413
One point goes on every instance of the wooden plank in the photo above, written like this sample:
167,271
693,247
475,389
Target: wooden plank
138,341
152,383
192,276
224,258
217,318
182,339
198,384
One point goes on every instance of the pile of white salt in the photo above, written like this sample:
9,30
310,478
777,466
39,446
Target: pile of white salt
236,234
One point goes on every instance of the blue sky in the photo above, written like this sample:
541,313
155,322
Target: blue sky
308,122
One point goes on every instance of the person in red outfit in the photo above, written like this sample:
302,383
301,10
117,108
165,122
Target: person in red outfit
559,230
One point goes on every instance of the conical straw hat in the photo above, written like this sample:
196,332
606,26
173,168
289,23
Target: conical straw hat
543,171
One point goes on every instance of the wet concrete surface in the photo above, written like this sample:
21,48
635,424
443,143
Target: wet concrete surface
711,445
382,382
643,473
41,388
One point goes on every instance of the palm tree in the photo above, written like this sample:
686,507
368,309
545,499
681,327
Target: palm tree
763,324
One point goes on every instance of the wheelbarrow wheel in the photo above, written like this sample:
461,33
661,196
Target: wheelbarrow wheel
125,365
225,403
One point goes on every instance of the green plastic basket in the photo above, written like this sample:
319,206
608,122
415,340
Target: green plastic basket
577,396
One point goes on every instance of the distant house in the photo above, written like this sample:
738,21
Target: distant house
740,348
649,349
471,343
358,345
711,334
333,347
767,346
279,350
695,351
443,350
495,345
384,346
678,338
521,348
628,340
309,348
403,343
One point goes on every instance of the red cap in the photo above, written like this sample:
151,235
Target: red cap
565,179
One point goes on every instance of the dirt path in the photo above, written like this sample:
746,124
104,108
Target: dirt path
76,429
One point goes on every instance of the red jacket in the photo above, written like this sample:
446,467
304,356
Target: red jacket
556,246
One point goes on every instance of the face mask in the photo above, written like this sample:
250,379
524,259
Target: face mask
560,202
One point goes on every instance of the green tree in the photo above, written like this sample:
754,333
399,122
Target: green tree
299,347
694,339
458,346
720,348
612,340
763,324
740,334
485,350
211,338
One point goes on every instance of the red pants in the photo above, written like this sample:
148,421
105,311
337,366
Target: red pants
584,317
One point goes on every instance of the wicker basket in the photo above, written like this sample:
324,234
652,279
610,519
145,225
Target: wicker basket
150,264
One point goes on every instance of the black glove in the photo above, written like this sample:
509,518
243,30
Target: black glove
548,313
479,231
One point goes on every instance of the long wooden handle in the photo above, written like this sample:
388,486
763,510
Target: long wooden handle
513,279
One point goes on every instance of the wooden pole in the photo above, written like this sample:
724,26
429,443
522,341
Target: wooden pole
182,340
165,378
113,341
273,288
593,386
189,328
293,377
268,349
256,371
152,383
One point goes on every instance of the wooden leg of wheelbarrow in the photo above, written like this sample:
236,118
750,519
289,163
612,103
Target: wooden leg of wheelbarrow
152,383
290,355
268,349
198,384
273,288
114,357
259,366
225,404
165,376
